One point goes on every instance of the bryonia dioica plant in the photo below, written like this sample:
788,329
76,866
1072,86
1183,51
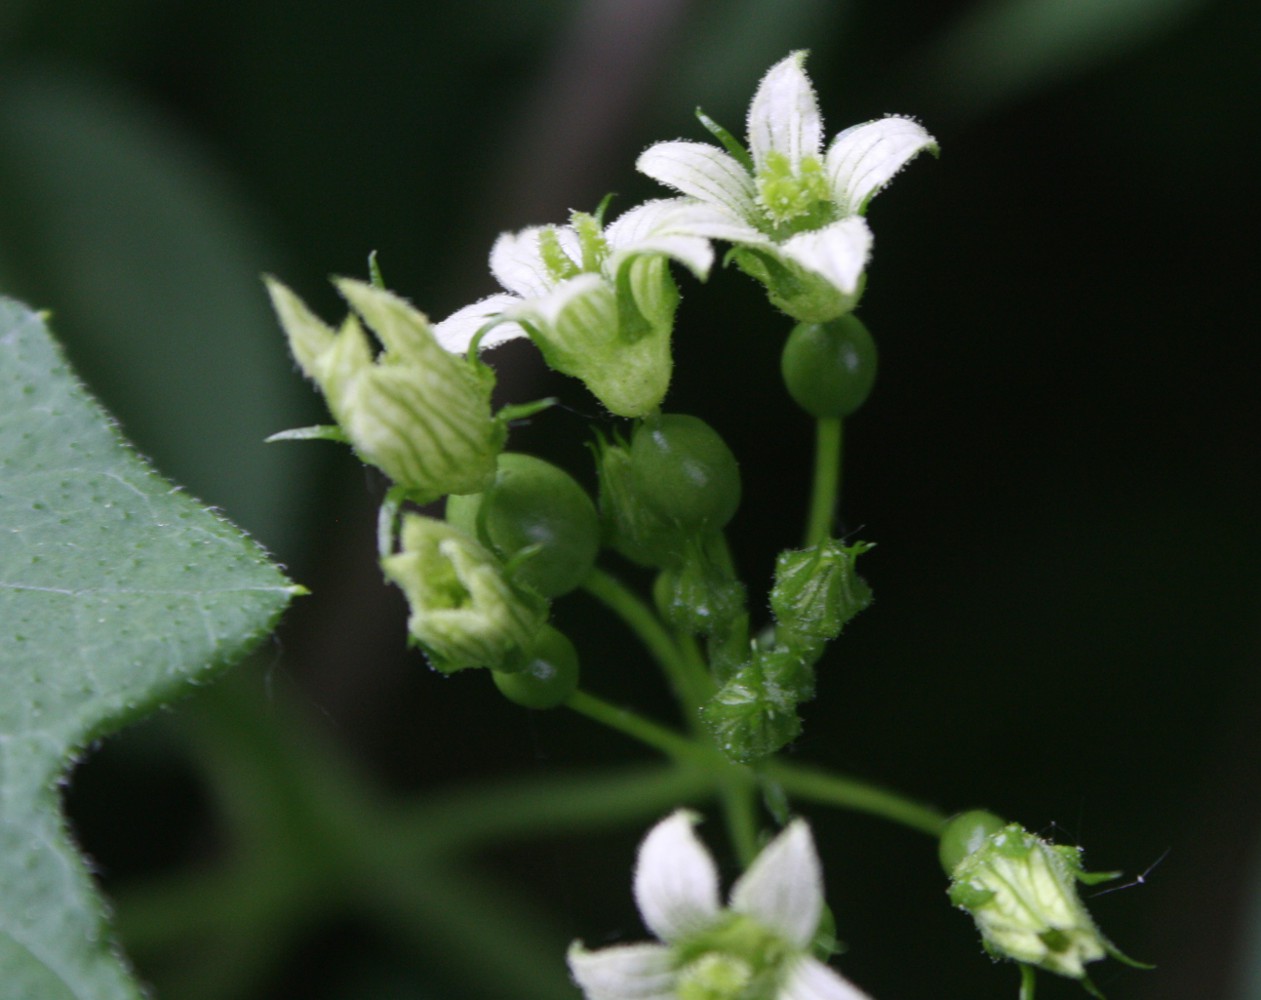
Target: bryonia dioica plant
599,299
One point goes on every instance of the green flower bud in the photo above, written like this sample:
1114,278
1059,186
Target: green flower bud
631,526
816,592
701,595
550,674
685,472
417,412
754,713
829,368
464,611
1022,892
537,517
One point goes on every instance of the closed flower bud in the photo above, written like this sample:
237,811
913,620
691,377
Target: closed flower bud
464,612
816,592
632,526
1022,892
417,412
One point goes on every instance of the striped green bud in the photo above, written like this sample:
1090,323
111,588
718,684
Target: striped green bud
464,611
1022,892
417,412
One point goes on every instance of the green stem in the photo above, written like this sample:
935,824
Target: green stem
688,682
850,793
740,812
464,821
658,737
1027,982
826,492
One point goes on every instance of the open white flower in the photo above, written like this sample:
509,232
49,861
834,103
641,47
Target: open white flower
599,302
758,946
793,211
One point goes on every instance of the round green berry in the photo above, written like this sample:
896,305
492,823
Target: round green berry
550,674
538,512
684,471
829,368
965,833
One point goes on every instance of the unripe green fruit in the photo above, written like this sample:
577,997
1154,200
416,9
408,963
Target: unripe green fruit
550,674
829,368
532,503
684,471
963,834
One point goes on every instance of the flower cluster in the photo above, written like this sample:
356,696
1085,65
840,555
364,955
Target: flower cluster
599,301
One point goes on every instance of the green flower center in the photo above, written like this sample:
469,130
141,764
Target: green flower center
738,959
592,249
794,200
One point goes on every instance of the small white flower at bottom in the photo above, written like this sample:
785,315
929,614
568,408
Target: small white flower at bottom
757,947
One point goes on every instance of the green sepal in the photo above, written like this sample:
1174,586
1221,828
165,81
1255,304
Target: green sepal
614,336
729,142
804,295
318,432
375,277
1115,952
1095,878
523,411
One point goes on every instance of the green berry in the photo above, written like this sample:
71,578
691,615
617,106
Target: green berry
685,472
535,511
550,674
964,834
829,368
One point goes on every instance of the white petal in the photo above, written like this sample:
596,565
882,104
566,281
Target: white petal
653,228
517,264
676,883
784,115
626,972
864,158
569,243
810,979
838,252
546,309
693,252
678,217
457,330
704,172
783,888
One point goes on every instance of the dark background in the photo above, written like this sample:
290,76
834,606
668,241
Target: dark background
1059,462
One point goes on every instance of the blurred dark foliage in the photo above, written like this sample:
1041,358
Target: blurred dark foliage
1061,462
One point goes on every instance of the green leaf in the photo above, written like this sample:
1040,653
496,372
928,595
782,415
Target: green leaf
117,592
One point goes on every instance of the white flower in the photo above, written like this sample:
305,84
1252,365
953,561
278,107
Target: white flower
793,211
758,946
599,302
